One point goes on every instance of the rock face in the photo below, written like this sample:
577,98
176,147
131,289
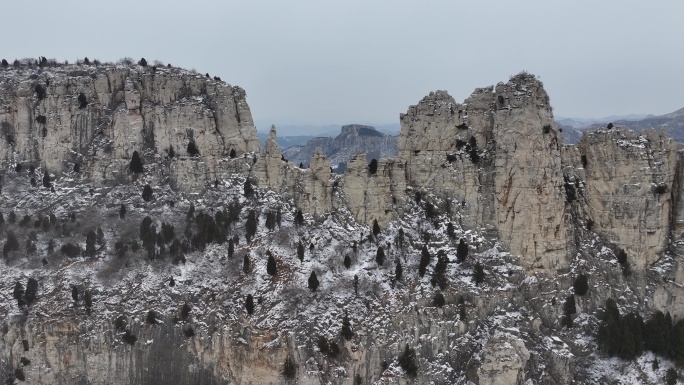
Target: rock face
629,180
354,139
504,361
504,151
98,116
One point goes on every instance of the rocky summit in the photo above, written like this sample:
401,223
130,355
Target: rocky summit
148,238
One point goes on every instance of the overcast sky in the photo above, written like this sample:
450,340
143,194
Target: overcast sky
322,62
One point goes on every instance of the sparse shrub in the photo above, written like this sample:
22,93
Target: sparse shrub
70,250
189,332
232,154
373,167
671,376
547,128
151,317
40,92
313,281
581,285
25,361
82,101
621,256
19,374
171,152
129,338
192,149
407,361
660,189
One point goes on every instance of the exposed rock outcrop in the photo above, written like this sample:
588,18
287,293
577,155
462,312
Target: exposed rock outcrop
99,115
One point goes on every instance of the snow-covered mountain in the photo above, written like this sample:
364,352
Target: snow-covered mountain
148,238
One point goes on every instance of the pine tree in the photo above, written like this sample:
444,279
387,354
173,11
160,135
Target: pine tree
346,328
398,270
151,317
136,164
289,368
251,225
249,304
376,228
313,281
46,180
299,218
373,166
122,211
248,191
88,301
581,285
231,248
245,264
461,251
438,300
424,260
569,305
185,311
439,274
147,193
347,261
300,251
18,293
356,285
380,256
11,244
270,220
407,361
90,243
74,294
271,267
478,274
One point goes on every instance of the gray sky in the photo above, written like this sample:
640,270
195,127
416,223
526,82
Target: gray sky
320,62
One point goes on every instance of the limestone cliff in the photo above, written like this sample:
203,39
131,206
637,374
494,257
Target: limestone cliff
97,116
490,172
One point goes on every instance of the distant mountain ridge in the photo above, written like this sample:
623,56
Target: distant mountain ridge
353,139
672,123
